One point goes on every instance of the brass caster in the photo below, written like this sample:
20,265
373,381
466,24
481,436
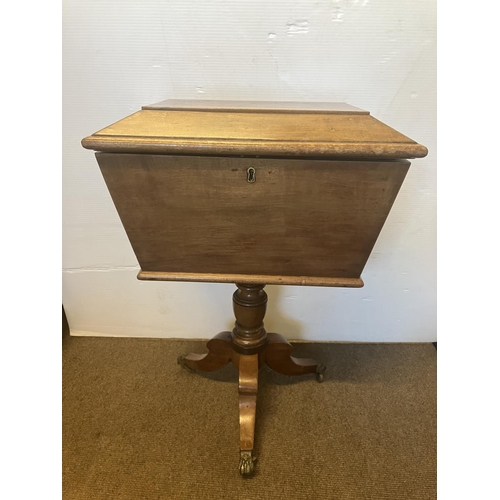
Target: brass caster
247,465
319,372
181,360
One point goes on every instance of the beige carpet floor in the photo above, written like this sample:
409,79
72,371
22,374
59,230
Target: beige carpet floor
137,426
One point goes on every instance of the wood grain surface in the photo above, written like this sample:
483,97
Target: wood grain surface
300,218
251,279
279,132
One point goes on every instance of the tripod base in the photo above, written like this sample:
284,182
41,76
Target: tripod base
274,351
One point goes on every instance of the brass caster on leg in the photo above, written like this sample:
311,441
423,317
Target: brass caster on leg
247,460
319,372
181,360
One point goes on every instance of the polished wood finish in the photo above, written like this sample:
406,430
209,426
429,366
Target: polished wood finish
279,358
249,306
252,193
249,347
247,392
246,130
251,279
219,355
300,218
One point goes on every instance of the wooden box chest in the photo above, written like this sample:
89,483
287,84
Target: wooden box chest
276,193
254,194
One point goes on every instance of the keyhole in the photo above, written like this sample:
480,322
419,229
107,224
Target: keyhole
251,174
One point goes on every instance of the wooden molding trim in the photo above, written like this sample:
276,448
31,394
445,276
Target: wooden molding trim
251,279
166,145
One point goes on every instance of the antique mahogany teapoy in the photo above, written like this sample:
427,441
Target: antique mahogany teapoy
252,193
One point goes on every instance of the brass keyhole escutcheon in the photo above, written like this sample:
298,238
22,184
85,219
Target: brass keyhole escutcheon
251,174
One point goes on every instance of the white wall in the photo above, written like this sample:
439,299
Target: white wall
379,55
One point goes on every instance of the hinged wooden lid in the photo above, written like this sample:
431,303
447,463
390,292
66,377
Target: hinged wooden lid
254,129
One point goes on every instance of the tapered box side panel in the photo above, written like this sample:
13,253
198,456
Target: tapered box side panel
301,217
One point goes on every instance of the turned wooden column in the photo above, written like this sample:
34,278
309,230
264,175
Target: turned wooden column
249,305
248,341
249,347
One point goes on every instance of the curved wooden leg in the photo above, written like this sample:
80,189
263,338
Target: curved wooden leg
247,388
279,359
219,355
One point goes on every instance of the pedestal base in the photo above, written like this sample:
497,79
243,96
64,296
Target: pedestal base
249,347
